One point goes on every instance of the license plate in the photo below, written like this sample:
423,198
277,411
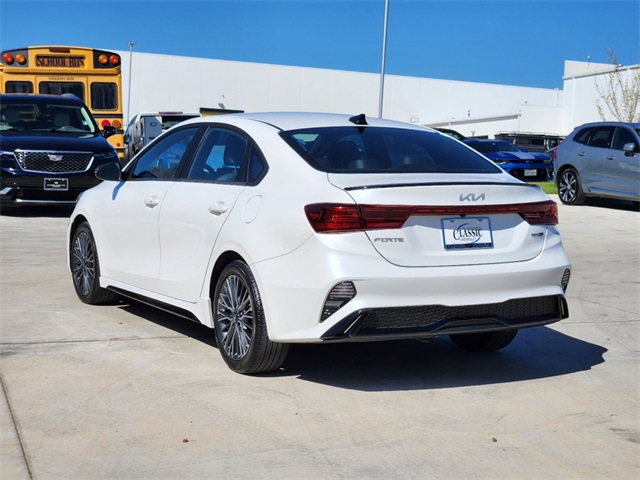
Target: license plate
58,184
459,233
530,173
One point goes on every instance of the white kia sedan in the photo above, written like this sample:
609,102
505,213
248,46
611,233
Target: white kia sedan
276,228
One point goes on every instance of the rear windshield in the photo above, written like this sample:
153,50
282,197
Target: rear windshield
384,150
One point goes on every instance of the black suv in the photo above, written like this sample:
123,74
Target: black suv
50,146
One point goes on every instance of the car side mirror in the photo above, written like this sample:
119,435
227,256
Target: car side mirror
108,130
109,171
629,149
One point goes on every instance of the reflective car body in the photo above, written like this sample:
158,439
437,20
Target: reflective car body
600,159
50,146
519,163
335,228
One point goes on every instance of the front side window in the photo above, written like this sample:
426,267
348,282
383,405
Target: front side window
104,96
161,160
59,88
385,150
622,137
221,157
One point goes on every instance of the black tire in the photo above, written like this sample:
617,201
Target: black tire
240,328
484,341
569,188
85,268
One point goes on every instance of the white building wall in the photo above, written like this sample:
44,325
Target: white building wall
168,83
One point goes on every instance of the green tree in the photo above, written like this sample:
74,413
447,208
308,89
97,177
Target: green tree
619,92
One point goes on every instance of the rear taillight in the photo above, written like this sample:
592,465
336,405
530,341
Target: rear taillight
340,218
543,213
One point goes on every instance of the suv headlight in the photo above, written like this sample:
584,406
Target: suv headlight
106,156
7,159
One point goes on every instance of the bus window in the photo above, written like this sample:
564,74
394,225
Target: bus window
19,87
58,88
104,96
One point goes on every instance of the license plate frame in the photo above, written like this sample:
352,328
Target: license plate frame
530,172
56,184
471,233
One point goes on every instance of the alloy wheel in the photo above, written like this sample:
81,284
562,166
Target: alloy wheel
235,317
83,263
568,186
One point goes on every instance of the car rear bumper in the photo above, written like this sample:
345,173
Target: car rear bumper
399,302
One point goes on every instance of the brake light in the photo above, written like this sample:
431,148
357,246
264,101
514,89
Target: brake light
334,218
543,213
341,218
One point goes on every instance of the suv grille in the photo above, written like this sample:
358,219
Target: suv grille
53,161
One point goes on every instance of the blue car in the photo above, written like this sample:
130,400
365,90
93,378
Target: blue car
519,163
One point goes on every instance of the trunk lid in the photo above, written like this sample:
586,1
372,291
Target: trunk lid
479,220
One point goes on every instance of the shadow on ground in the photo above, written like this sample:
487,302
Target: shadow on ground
539,352
612,204
32,211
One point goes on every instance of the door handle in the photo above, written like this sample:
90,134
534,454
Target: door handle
151,201
611,158
218,208
581,154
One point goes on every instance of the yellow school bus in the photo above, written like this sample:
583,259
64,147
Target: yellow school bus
93,75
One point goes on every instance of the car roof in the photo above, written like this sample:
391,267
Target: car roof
610,124
302,120
67,99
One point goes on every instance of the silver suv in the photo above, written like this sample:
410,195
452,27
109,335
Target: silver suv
599,160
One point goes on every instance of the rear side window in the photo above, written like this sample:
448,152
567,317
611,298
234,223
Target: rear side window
385,150
601,137
583,136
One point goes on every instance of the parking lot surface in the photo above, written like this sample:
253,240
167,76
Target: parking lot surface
129,392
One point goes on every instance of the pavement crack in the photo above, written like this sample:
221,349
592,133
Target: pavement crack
16,428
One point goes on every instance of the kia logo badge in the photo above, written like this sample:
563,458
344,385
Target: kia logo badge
472,197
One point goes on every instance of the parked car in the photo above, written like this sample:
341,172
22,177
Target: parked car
516,161
530,142
452,133
146,126
281,228
50,146
599,159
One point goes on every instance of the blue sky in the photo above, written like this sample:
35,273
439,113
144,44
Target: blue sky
508,42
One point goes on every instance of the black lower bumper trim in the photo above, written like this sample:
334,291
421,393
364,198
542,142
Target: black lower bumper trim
434,320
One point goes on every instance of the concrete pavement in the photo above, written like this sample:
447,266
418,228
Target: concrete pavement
129,392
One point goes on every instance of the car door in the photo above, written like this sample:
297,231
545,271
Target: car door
195,210
132,253
592,157
621,171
